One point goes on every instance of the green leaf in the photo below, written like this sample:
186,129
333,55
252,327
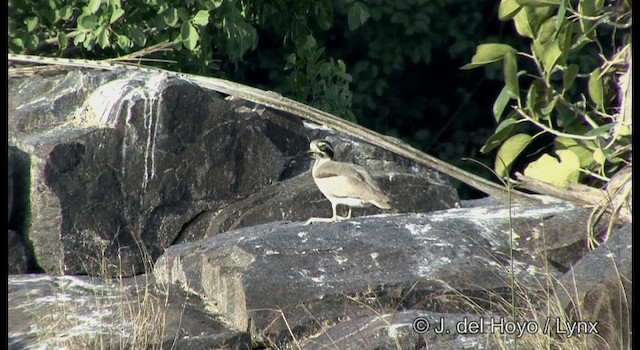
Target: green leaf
123,42
538,3
600,130
569,76
170,17
508,153
32,42
488,53
503,131
586,8
323,13
511,74
528,20
66,12
522,24
508,9
31,23
599,156
103,38
136,36
584,154
358,14
547,31
550,170
548,53
501,103
549,107
48,13
596,88
79,39
89,41
18,42
115,15
183,14
307,43
63,41
562,11
201,18
189,36
624,130
87,22
535,98
94,6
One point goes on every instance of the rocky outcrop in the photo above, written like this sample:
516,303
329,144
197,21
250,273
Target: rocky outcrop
284,273
123,172
79,312
597,291
124,164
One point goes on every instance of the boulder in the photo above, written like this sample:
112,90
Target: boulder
282,273
123,164
131,313
598,291
18,254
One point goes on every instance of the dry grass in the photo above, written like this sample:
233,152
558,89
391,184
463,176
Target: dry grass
115,312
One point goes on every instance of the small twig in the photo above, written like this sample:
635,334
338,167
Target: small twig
552,131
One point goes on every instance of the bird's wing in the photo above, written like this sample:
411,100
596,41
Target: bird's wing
339,179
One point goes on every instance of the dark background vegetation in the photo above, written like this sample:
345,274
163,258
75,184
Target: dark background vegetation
392,66
405,63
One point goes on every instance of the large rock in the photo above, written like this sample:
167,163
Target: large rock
18,254
410,329
79,312
281,274
123,164
598,291
120,176
20,259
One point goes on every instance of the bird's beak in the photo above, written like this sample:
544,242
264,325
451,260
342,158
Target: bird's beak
311,153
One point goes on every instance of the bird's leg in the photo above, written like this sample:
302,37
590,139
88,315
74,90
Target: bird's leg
312,220
349,215
335,216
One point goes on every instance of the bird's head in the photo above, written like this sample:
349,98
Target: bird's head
320,149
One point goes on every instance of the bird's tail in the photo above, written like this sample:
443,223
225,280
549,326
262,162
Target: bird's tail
382,202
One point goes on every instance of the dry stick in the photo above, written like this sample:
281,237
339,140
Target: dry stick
278,102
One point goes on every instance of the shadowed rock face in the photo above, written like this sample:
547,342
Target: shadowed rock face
103,184
123,164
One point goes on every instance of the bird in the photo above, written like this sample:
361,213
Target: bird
343,183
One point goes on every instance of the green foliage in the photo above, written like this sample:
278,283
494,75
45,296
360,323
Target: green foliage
206,37
509,152
403,61
575,101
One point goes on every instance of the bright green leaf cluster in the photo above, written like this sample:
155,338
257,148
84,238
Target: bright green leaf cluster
591,137
195,32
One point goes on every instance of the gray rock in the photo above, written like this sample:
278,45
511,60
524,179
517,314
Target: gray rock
411,329
18,254
123,164
298,199
411,187
139,157
598,289
131,313
306,274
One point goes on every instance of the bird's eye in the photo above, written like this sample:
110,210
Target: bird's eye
324,146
